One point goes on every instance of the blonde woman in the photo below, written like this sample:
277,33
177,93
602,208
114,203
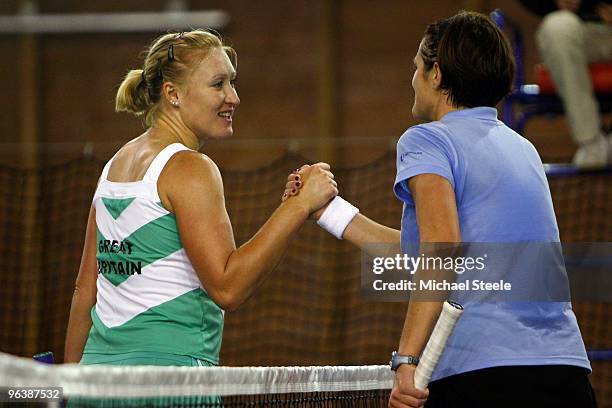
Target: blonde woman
160,264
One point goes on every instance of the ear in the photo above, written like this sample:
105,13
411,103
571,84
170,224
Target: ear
170,93
436,75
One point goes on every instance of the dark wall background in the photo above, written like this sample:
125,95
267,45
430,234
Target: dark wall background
282,76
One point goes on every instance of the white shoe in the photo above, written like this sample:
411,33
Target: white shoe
594,154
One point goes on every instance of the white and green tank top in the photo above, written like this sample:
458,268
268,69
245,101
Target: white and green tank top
149,296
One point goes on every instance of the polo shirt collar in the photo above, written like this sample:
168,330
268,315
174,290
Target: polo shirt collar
480,112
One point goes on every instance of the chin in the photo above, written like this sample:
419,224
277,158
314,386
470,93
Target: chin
221,135
227,134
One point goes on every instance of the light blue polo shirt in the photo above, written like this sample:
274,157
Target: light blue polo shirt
502,195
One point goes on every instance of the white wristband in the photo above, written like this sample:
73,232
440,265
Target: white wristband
337,216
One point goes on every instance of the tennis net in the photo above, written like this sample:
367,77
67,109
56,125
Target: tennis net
144,386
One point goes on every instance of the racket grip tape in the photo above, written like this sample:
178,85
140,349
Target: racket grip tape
451,312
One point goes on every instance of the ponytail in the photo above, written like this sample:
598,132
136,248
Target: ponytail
133,96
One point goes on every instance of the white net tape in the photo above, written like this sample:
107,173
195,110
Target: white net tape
155,381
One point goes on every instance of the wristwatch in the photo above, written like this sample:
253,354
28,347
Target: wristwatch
398,359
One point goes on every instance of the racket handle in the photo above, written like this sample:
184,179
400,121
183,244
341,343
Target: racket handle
451,312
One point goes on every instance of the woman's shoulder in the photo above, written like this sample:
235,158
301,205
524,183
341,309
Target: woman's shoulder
192,159
192,165
186,175
426,133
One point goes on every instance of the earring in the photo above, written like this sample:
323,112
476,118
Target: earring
175,103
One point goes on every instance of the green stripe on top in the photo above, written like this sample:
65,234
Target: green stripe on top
118,260
115,206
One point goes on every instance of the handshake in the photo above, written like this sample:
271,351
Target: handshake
314,187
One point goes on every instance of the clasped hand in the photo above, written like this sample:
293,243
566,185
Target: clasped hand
313,186
404,394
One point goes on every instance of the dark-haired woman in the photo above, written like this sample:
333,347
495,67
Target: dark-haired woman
464,176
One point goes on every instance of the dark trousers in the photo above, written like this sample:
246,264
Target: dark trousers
555,386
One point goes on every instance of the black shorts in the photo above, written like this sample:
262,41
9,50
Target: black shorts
554,386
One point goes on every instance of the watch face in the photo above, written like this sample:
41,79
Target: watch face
394,361
398,359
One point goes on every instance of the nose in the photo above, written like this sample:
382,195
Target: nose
231,97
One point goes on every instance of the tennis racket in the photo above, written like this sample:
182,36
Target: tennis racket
451,312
